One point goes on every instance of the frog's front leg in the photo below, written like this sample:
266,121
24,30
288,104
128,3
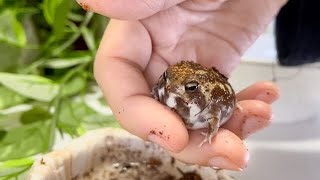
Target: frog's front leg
212,130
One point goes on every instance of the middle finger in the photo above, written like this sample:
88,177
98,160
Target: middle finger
256,112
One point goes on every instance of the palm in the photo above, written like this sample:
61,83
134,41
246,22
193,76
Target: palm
211,33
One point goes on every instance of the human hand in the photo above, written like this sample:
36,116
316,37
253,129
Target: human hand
146,37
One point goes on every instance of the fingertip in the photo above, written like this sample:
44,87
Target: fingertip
226,151
254,116
231,150
265,91
270,92
150,120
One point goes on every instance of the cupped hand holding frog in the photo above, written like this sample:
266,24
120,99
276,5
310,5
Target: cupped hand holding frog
145,37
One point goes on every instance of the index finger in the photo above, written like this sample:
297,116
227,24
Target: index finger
119,67
127,10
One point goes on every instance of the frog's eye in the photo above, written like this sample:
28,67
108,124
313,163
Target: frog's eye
191,86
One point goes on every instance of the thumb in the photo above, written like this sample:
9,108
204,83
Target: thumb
127,10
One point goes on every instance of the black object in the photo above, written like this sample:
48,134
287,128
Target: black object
297,32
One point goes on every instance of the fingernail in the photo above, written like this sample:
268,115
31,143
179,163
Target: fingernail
158,140
223,163
252,125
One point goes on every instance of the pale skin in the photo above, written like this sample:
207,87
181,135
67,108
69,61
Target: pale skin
144,37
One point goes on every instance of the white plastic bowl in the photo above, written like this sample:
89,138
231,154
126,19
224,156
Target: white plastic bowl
86,157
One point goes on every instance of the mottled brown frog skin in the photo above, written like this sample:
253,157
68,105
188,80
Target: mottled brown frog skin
201,96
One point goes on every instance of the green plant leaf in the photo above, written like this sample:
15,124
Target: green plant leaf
7,172
33,115
18,162
2,134
77,114
11,30
75,17
91,119
89,38
11,118
10,55
9,98
9,121
44,40
95,121
75,85
61,63
56,14
49,7
31,86
68,119
26,140
15,166
61,17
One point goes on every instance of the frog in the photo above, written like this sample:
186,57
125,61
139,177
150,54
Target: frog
202,96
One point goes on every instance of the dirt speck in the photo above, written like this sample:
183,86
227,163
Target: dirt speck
42,162
255,115
102,159
172,161
87,174
153,132
189,175
84,6
154,162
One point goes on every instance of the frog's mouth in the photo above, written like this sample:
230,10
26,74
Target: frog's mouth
187,104
205,107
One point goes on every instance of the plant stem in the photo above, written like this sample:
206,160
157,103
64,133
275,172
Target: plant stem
57,101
